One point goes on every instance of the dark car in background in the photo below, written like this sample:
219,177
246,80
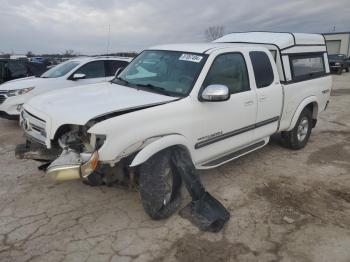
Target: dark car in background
13,69
338,63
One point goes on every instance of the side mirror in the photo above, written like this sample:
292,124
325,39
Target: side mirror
78,76
215,93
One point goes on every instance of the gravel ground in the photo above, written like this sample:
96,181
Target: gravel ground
285,206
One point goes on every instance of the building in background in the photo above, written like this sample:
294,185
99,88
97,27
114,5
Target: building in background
338,43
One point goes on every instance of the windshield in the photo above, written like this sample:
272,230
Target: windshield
167,72
61,69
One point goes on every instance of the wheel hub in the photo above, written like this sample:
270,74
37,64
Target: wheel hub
303,129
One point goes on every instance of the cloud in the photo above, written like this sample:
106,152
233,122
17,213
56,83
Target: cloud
82,25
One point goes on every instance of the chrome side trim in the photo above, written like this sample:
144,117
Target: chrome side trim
235,132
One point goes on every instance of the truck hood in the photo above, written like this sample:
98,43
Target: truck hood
80,104
25,82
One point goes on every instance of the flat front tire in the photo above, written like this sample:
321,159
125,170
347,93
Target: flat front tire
298,137
160,185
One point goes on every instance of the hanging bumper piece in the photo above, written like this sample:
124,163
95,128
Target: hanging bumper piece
204,211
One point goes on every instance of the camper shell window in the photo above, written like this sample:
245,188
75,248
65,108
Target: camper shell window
307,66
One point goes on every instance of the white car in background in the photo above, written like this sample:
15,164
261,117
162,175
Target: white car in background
75,72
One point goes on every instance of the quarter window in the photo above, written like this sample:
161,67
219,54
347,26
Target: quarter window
92,70
229,70
113,66
307,66
262,69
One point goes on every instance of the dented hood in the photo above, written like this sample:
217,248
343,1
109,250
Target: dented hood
78,105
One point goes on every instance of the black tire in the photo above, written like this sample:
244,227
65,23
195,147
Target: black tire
293,139
159,199
95,179
347,69
339,71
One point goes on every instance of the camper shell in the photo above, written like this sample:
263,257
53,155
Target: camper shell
284,46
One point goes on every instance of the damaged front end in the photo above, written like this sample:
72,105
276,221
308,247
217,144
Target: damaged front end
73,154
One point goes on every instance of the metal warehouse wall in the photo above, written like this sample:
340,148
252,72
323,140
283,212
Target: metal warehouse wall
338,43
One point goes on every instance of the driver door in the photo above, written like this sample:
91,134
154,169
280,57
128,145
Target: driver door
229,125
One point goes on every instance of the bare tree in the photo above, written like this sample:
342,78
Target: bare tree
214,32
69,53
30,54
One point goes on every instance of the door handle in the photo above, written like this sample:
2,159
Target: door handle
249,103
263,98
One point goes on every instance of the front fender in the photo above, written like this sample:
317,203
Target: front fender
300,108
158,145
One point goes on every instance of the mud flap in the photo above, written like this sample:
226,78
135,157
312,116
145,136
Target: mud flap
204,211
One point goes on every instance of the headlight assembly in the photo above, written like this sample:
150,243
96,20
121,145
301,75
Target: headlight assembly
19,92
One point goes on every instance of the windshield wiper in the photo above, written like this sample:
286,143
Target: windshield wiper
122,80
158,89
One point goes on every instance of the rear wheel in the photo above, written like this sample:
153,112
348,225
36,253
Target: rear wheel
160,185
347,69
298,137
339,71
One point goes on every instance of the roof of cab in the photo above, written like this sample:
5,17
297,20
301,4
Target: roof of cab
194,47
282,40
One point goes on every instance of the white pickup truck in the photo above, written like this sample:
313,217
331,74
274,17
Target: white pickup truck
181,107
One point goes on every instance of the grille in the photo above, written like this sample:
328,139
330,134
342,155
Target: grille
34,127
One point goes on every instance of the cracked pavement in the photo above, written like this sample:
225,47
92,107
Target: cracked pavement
285,206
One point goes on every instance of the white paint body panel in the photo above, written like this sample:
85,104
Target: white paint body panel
185,121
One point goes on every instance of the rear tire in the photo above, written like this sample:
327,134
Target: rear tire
160,185
298,137
347,69
339,71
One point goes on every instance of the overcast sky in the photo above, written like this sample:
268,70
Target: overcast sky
44,26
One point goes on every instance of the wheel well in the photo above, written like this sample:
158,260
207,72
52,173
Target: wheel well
181,148
313,107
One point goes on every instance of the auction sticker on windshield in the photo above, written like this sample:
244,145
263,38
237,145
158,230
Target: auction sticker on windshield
191,58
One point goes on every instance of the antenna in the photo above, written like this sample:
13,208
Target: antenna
109,38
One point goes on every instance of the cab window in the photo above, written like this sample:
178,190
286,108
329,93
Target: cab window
94,69
263,71
229,70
